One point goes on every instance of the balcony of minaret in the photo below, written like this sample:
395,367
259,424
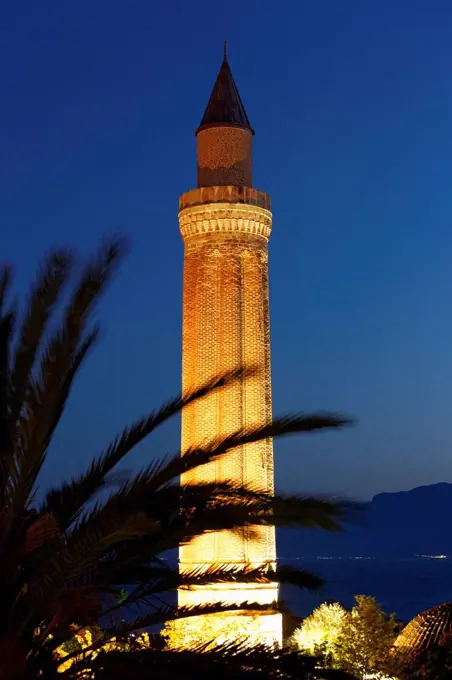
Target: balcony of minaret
225,194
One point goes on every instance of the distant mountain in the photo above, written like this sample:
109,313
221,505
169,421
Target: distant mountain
403,524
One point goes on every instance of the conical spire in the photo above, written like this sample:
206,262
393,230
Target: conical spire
225,105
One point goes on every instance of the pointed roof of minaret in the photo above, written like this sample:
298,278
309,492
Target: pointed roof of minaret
225,105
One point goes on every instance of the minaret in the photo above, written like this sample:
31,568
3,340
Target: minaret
225,225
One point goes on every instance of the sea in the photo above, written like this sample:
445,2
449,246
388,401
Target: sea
405,587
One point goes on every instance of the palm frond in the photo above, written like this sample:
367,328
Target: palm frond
43,298
5,283
65,562
178,515
150,479
67,500
6,332
58,356
238,661
7,323
220,514
59,362
83,551
15,380
264,574
313,513
157,581
286,425
34,458
78,357
160,616
7,459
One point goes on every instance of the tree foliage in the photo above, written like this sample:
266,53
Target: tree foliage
88,555
363,645
320,630
358,641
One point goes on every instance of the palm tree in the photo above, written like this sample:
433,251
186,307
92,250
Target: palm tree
65,561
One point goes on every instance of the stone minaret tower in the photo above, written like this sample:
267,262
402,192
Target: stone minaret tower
225,225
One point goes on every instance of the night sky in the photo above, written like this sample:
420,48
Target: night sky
352,106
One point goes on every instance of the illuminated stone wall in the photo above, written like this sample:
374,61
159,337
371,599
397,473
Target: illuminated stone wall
224,156
226,325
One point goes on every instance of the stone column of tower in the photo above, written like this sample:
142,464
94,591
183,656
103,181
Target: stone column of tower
225,225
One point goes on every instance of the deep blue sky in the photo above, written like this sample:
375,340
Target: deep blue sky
352,106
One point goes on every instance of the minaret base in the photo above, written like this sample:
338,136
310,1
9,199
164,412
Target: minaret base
211,630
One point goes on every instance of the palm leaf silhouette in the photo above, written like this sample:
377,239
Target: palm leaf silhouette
66,561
